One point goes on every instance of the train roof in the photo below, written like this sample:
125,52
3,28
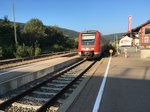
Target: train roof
90,31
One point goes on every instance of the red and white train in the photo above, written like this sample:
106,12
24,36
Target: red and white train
91,44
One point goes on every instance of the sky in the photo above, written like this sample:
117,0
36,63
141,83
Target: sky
106,16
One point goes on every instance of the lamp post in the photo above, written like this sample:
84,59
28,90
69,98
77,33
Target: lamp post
117,44
15,34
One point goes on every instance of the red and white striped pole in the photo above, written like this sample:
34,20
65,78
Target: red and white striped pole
130,25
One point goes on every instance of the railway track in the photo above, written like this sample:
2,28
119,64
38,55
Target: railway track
41,97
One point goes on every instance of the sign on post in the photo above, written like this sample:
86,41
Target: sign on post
110,51
129,23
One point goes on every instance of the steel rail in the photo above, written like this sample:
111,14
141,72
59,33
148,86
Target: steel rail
8,103
57,96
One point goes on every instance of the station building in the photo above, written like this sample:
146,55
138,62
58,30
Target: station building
142,33
141,38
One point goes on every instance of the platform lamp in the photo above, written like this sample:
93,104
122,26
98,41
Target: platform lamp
15,33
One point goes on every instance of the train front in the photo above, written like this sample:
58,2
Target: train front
89,44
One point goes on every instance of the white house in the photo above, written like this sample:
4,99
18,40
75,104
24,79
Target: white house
125,41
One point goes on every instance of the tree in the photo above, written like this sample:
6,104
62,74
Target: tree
69,42
33,31
7,41
6,33
54,36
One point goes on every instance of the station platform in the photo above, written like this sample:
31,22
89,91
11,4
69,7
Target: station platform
15,77
127,87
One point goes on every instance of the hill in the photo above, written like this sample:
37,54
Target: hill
74,34
70,33
112,37
67,32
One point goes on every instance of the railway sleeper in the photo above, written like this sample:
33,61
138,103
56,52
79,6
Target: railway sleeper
40,95
60,81
30,98
56,85
44,93
71,71
48,90
71,74
65,78
51,89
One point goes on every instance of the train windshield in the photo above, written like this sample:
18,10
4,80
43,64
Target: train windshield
88,39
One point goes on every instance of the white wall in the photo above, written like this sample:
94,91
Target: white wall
125,41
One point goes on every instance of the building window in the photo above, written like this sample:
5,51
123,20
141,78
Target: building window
146,39
147,30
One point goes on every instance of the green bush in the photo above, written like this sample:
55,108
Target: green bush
7,52
21,51
57,48
30,51
37,51
26,51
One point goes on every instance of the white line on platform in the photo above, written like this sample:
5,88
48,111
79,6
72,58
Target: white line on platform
100,93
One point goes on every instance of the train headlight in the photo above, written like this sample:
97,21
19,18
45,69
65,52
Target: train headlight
92,48
82,48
